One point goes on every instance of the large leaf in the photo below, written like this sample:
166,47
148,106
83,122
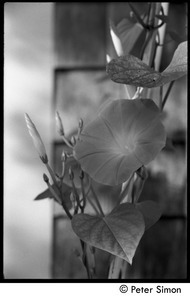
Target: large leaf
129,69
150,211
118,233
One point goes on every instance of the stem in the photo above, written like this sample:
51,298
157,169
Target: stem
85,259
97,201
133,190
66,141
54,194
115,268
51,174
93,263
76,194
160,98
148,51
137,15
167,94
83,194
161,31
94,207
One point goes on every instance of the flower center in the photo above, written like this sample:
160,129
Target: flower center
129,147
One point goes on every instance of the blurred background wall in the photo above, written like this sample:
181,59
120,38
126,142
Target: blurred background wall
28,54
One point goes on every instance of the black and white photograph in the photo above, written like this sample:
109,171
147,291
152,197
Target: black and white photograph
95,144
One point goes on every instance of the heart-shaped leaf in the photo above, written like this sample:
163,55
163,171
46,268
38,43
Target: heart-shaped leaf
129,69
118,233
150,211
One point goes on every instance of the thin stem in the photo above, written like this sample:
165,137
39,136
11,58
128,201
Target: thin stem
93,259
83,194
66,142
147,39
51,174
115,268
133,190
85,259
160,98
76,194
97,201
149,49
137,15
54,194
94,207
152,15
167,94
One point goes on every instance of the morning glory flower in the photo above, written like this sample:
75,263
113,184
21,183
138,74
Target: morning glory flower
125,135
39,145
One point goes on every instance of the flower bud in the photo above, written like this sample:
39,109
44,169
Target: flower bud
59,124
81,124
63,157
45,177
73,140
39,145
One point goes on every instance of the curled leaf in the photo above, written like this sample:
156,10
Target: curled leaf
118,233
125,135
131,70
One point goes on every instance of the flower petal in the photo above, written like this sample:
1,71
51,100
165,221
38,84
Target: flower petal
125,135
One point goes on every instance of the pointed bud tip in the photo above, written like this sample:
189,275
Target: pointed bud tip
81,123
63,156
45,177
73,140
59,124
38,143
